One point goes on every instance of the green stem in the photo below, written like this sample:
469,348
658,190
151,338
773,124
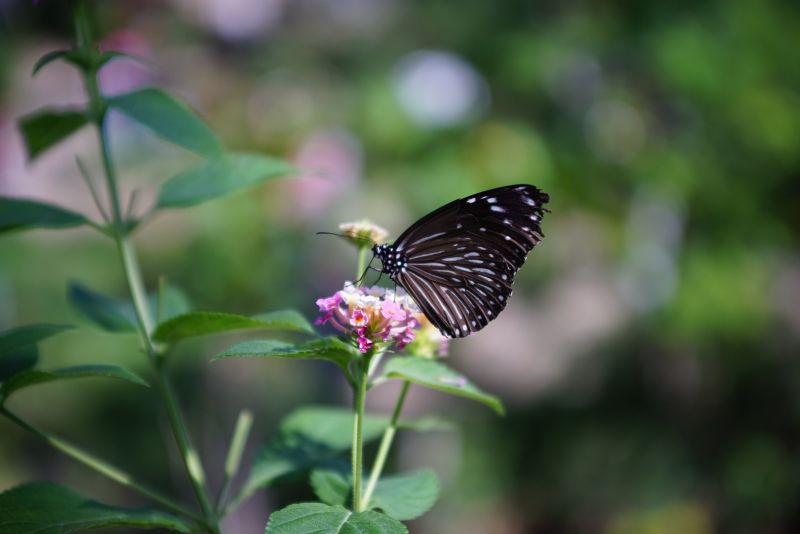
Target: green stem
359,397
133,276
386,444
104,468
362,263
242,430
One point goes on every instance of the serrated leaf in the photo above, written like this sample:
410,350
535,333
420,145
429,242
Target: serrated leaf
110,314
33,377
320,518
403,497
44,129
203,323
47,59
331,486
435,375
23,337
169,118
22,213
328,348
307,437
406,496
218,177
46,508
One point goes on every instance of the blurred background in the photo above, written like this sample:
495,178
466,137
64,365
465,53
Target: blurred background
649,357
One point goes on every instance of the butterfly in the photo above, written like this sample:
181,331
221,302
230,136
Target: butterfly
458,262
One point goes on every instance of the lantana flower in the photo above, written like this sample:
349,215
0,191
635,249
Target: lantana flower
376,316
364,232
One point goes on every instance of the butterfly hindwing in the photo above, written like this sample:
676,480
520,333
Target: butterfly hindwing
458,262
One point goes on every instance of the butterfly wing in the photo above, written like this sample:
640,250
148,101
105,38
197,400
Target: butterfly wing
462,258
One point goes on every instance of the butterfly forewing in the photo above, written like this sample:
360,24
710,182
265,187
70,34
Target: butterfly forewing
458,262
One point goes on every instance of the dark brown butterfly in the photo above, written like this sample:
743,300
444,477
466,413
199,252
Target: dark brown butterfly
458,263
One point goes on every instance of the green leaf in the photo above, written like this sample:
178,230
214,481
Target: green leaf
119,315
307,437
407,496
320,518
219,177
47,59
168,118
46,128
20,213
328,348
110,314
402,497
46,508
18,362
170,302
428,423
33,377
203,323
435,375
331,486
24,337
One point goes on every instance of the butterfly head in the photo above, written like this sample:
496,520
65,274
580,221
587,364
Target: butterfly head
392,261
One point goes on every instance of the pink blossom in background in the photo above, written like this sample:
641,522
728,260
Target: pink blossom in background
124,74
330,164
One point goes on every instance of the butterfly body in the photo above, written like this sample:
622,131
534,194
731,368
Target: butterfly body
458,263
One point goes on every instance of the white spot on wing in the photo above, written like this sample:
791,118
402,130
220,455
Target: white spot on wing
470,200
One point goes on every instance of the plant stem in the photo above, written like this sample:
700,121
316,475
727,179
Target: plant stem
242,430
362,263
102,467
386,444
133,277
359,397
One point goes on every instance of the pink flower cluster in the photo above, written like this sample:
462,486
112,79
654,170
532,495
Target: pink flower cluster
371,315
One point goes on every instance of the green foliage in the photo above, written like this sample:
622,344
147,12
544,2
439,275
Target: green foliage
329,348
23,337
118,315
324,519
332,486
402,497
18,350
169,118
110,314
47,508
406,496
48,58
43,129
218,177
435,375
19,361
307,437
33,377
204,323
19,213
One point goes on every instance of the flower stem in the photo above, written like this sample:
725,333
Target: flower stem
359,397
133,277
362,263
386,444
102,467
